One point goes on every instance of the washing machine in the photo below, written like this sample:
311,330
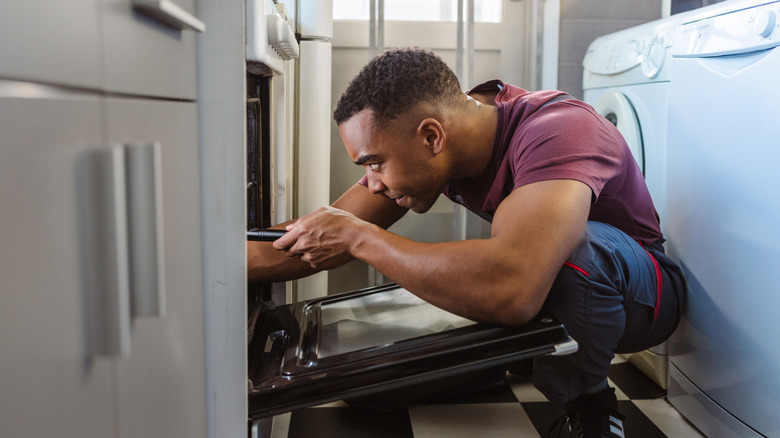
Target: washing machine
626,79
723,211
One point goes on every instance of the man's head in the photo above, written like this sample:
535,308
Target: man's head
397,81
392,119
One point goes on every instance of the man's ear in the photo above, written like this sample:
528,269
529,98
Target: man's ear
432,134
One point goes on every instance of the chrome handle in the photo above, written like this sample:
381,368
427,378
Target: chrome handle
170,13
107,262
143,171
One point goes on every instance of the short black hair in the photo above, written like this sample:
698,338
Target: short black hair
396,81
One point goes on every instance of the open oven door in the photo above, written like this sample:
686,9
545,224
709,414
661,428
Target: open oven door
374,340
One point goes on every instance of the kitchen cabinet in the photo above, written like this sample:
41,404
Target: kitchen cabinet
50,384
45,323
98,44
85,88
52,42
144,56
161,384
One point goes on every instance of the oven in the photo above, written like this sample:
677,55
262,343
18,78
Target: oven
258,180
374,340
270,53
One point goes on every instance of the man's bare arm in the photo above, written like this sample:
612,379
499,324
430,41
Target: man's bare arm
503,279
269,265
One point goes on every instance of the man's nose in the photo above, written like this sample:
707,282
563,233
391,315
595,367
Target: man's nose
375,184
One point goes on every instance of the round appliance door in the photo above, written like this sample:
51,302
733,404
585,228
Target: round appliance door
616,108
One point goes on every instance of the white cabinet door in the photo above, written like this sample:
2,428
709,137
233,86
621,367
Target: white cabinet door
162,382
50,385
54,42
143,56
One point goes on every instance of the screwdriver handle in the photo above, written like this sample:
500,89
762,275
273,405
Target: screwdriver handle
258,235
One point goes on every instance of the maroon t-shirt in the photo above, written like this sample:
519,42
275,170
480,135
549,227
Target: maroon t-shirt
566,139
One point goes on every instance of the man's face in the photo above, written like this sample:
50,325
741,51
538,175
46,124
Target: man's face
398,164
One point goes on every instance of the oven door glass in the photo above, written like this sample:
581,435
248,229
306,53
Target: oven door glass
373,320
373,340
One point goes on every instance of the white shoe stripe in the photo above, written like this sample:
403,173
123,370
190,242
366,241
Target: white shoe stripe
617,430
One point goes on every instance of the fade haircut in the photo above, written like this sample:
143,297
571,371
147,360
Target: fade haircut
395,82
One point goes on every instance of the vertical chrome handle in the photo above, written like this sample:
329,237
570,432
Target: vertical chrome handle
145,228
107,262
170,13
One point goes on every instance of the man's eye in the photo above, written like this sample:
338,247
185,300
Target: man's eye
374,166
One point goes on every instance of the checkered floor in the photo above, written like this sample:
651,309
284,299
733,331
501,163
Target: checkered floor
517,410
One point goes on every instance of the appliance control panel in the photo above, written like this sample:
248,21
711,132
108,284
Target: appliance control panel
614,58
740,32
646,46
270,39
653,56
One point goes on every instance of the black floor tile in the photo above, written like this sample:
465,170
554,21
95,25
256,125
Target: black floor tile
634,383
487,392
542,415
349,423
636,424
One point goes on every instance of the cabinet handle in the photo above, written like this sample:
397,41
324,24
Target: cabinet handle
143,170
170,13
107,261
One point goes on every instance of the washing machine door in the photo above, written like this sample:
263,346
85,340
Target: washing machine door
616,108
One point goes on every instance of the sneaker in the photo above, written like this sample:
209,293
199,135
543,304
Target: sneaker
591,416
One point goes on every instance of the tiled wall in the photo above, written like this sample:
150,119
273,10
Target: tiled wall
583,20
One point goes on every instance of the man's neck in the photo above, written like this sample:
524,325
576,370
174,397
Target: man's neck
475,136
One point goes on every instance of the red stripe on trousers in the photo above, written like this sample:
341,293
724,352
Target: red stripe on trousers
659,280
577,268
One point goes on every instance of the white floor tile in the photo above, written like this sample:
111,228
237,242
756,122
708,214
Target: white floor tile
335,404
488,420
524,390
667,418
281,426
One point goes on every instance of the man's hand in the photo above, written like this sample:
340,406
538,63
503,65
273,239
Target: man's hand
324,238
267,263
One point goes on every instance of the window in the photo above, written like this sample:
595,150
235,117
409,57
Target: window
485,11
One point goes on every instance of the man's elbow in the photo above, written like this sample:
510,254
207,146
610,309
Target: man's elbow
518,306
517,317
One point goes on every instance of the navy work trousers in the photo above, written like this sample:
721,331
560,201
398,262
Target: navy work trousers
606,295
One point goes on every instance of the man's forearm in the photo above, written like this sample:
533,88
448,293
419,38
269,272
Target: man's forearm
468,278
265,264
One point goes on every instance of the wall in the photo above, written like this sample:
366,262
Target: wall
582,21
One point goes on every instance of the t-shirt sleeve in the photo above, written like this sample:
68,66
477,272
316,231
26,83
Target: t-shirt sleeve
563,142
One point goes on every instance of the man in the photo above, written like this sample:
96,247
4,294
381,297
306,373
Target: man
573,225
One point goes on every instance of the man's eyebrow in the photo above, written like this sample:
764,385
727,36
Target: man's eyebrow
365,159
